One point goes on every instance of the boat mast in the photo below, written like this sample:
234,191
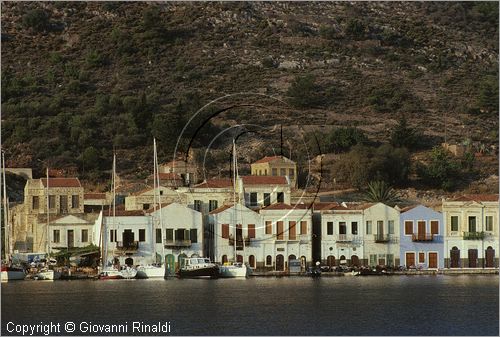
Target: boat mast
5,215
113,182
239,198
157,179
48,211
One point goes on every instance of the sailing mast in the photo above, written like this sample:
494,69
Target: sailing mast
113,185
5,215
234,203
48,211
157,178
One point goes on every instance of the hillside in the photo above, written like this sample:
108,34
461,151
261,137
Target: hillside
81,79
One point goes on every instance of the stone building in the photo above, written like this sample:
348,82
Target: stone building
276,166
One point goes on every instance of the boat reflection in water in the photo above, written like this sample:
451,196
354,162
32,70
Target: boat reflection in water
196,267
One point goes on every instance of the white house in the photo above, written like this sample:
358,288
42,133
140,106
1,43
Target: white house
70,231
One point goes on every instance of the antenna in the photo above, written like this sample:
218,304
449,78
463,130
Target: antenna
281,138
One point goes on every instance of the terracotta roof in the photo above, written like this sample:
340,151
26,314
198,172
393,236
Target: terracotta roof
267,159
215,183
281,206
476,197
345,206
94,196
264,180
120,212
61,182
323,206
151,210
221,209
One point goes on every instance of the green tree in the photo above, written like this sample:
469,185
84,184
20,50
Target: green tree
303,92
342,139
355,29
488,94
36,19
380,191
404,136
442,171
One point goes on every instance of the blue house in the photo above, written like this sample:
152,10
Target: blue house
421,238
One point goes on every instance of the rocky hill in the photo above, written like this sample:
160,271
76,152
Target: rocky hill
80,80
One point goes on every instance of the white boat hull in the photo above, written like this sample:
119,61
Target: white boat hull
12,275
128,273
234,271
150,272
48,275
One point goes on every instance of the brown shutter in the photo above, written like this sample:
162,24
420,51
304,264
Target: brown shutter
421,230
251,231
225,231
433,260
279,230
292,230
434,227
269,227
421,257
408,227
303,227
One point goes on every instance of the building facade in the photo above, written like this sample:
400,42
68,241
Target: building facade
276,166
421,238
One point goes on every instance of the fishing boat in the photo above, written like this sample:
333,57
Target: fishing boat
146,271
10,273
110,274
236,269
128,272
197,267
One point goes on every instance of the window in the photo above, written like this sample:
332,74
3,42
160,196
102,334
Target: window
454,223
354,228
169,235
161,192
52,201
390,260
472,224
292,230
421,257
85,235
408,227
282,172
368,227
75,201
291,173
279,230
142,235
265,172
434,227
197,205
303,227
269,227
225,231
329,228
390,223
145,206
158,235
373,259
275,171
56,236
269,260
180,234
251,231
342,228
253,199
193,234
380,227
280,197
36,203
267,199
212,204
489,223
113,235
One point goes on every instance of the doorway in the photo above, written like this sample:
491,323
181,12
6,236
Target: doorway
280,263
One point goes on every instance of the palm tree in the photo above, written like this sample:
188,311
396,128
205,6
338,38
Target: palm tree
379,191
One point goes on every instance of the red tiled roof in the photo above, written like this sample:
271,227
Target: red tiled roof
61,182
267,159
323,206
94,196
281,206
221,209
477,197
121,212
215,183
264,180
407,208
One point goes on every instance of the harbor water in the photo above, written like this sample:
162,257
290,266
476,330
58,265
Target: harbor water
384,305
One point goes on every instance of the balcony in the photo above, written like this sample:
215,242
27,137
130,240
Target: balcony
127,246
344,238
473,235
382,238
422,237
177,243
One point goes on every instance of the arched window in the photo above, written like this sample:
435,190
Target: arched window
239,258
280,262
251,261
291,257
224,259
355,260
455,258
269,260
330,261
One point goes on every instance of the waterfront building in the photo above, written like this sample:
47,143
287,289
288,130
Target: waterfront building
276,166
186,171
287,235
235,233
421,238
144,199
262,191
209,195
381,235
95,202
471,231
341,233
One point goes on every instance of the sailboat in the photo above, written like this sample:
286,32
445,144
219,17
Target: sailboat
152,270
110,272
235,269
8,272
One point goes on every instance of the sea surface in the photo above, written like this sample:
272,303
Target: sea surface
384,305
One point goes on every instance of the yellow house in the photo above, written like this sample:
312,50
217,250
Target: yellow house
276,166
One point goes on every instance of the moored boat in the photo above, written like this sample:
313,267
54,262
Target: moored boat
47,275
196,267
110,274
150,271
10,273
128,272
234,270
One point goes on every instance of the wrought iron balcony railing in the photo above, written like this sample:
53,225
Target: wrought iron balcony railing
473,235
